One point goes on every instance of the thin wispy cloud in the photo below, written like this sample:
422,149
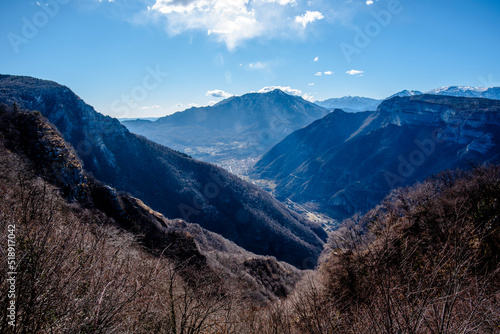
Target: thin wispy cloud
369,2
318,74
282,2
316,59
218,93
328,73
258,65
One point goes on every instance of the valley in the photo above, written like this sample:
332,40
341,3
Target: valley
234,132
255,238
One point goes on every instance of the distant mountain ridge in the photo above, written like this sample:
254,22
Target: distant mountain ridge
358,103
168,181
150,119
345,162
237,131
253,109
405,93
240,127
465,91
350,103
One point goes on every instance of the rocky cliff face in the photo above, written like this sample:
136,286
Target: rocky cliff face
462,121
170,182
29,135
89,132
348,162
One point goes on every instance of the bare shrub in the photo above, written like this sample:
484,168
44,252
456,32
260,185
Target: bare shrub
78,273
426,261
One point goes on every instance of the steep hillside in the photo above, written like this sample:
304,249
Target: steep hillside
427,260
41,152
239,128
170,182
346,163
83,261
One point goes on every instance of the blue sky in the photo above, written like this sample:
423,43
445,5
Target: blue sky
137,58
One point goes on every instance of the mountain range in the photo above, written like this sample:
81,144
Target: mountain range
168,181
465,91
340,163
93,256
358,103
347,162
234,131
350,103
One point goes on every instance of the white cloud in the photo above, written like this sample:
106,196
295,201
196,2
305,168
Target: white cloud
178,105
218,93
316,59
311,84
193,105
369,2
288,90
309,17
231,21
355,72
324,73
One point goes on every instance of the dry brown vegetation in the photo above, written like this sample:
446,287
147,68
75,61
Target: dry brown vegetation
83,269
425,261
78,273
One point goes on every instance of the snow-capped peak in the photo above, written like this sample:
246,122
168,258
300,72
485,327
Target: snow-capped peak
458,90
